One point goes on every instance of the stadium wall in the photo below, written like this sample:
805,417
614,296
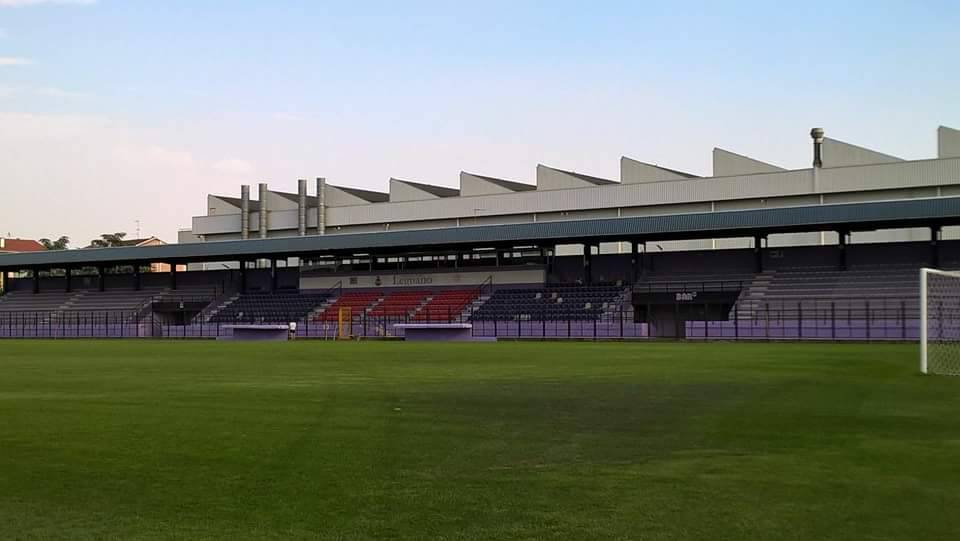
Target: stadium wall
415,279
894,180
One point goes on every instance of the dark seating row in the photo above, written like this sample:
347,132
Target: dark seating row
270,307
548,303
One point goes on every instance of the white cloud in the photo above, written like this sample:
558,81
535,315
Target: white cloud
22,3
14,60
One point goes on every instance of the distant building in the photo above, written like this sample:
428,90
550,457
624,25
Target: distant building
841,173
149,241
18,245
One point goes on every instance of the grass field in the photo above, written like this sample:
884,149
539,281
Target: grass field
202,440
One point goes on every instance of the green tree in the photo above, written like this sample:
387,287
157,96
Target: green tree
59,244
108,240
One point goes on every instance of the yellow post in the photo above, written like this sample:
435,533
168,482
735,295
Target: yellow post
344,323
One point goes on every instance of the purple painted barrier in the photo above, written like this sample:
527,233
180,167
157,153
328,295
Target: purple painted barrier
259,333
560,329
436,332
856,329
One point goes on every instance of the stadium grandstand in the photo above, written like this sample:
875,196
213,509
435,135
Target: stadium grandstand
753,252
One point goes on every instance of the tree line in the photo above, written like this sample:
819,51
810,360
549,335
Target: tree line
106,240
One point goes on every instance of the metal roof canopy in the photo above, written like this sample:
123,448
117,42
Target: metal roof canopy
723,224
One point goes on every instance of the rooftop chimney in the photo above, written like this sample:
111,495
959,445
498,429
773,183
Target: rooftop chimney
302,207
321,206
817,135
245,211
263,210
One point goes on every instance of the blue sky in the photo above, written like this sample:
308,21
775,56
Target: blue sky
135,109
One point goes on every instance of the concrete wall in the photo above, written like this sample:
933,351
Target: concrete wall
647,198
336,197
401,191
636,172
948,142
217,206
728,164
277,202
852,174
840,154
549,178
934,174
471,185
186,236
595,197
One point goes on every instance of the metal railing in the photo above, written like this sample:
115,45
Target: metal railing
689,285
78,324
817,319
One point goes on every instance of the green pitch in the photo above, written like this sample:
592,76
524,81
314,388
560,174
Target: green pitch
202,440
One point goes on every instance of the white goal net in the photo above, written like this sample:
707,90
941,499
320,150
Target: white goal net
939,322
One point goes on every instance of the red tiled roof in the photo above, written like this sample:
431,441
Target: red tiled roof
20,245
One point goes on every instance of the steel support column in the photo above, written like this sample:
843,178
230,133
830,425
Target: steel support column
101,278
36,281
935,232
243,276
634,261
550,254
758,253
68,275
587,264
273,275
643,261
842,246
136,277
173,276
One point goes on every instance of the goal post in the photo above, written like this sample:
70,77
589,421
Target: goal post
939,322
